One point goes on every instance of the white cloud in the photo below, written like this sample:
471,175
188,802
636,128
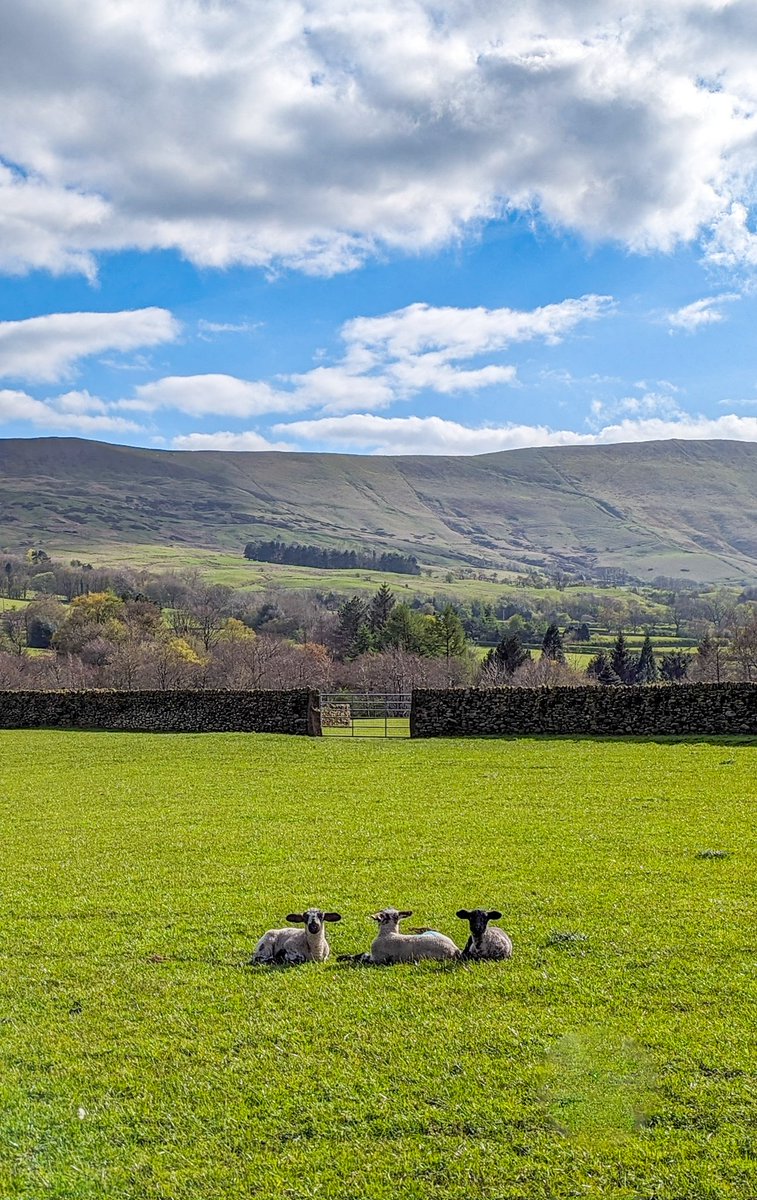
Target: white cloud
434,435
249,440
208,329
48,348
420,347
223,395
650,404
72,413
706,311
321,132
385,359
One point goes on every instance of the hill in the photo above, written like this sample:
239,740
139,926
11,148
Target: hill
648,508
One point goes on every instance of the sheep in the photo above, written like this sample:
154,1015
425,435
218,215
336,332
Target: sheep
391,946
289,947
485,943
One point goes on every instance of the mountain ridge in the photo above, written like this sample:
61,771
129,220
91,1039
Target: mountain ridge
648,508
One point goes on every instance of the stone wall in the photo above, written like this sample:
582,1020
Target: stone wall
686,709
159,712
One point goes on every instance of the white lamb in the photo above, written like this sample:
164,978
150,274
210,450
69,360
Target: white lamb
290,947
391,946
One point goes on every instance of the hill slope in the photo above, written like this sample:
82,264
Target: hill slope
649,507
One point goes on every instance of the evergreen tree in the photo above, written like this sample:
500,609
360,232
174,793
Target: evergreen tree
583,633
600,668
508,654
551,646
646,671
623,663
364,640
451,634
352,615
404,629
381,605
675,666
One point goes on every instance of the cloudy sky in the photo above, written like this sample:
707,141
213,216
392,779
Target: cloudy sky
438,226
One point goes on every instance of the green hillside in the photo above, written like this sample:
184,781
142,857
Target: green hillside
649,508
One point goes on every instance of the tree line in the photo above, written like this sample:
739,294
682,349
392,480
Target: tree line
297,554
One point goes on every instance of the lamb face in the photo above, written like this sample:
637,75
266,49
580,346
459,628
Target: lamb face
391,946
485,943
293,946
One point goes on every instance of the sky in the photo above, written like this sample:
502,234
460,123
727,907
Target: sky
378,226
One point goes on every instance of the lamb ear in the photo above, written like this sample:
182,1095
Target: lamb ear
296,918
463,914
332,916
494,915
404,914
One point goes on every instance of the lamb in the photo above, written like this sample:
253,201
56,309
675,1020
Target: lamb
391,946
290,947
485,943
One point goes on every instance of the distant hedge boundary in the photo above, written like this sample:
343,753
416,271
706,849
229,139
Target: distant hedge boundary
159,712
707,708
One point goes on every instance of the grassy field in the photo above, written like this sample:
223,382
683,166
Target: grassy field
396,727
235,571
143,1058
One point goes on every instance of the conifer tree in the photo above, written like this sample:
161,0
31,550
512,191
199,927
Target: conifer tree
623,663
600,668
646,670
551,646
381,605
451,633
508,654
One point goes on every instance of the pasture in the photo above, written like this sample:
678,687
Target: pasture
144,1059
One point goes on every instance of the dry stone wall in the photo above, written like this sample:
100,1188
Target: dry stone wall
705,708
159,712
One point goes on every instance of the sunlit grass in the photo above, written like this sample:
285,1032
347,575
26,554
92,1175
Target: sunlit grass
142,1057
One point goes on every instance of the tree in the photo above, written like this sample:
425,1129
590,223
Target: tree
381,605
583,633
551,646
709,659
450,633
508,655
600,668
352,615
674,667
744,647
646,670
623,663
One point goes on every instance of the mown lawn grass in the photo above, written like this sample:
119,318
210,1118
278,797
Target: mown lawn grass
142,1057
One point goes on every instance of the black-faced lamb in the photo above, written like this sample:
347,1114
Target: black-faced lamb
290,947
391,946
485,942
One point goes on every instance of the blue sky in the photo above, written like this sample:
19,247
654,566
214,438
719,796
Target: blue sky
395,228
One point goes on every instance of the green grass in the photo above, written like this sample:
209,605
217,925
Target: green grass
395,727
142,1058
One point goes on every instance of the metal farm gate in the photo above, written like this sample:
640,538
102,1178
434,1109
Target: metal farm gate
365,714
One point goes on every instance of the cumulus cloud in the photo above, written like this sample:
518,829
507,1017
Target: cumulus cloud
707,311
224,395
74,412
434,435
322,132
249,440
421,347
47,348
385,359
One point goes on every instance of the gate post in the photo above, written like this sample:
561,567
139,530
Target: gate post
314,715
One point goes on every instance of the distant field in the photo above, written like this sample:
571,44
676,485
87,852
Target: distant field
238,572
144,1059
